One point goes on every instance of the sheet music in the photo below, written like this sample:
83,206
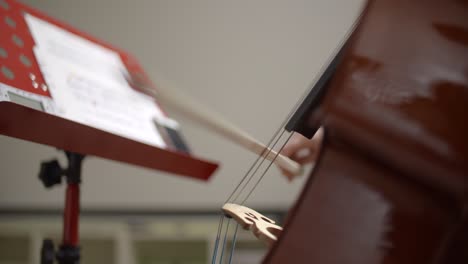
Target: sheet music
87,84
74,49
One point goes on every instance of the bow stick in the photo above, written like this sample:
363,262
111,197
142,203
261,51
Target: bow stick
214,122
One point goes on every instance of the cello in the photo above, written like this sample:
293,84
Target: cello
391,181
390,184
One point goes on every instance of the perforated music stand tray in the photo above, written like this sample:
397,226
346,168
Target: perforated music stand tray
18,63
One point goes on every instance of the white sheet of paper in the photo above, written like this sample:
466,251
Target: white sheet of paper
87,84
74,49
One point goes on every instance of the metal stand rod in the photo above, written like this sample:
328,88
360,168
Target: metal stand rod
71,215
51,173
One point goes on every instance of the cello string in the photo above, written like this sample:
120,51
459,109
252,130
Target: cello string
251,191
322,70
237,226
265,171
224,241
258,167
218,235
294,109
281,130
260,158
233,244
304,95
251,168
269,147
257,163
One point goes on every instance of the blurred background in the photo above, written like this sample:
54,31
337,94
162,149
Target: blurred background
249,60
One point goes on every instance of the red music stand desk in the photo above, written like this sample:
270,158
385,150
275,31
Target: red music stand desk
21,77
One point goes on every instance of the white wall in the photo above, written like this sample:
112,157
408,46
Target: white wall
249,59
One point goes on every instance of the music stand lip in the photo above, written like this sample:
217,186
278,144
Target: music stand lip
32,125
24,123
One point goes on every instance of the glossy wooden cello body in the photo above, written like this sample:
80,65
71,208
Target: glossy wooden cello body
391,182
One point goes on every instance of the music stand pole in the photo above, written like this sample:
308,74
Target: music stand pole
50,175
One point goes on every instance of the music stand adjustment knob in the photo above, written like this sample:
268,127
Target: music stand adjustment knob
51,173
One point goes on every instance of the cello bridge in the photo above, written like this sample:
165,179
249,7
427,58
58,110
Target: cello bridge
261,226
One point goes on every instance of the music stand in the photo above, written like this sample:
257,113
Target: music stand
30,111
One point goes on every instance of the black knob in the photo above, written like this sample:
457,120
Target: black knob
50,173
68,255
47,252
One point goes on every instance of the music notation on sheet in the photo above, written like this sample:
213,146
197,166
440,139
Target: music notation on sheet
88,86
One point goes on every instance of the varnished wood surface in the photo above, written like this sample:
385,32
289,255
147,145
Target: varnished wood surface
391,182
356,211
402,90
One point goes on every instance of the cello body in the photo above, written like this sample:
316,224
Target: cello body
390,185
